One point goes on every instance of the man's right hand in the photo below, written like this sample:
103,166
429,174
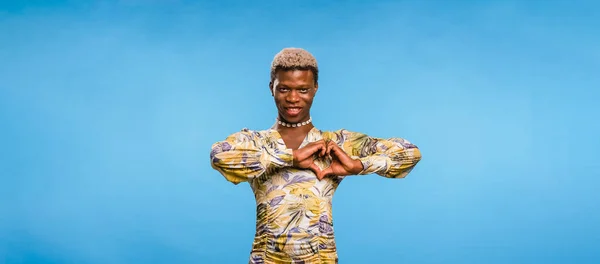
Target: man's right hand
304,157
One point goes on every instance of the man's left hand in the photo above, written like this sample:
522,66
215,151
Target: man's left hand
341,164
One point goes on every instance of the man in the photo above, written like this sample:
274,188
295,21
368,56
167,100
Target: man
294,168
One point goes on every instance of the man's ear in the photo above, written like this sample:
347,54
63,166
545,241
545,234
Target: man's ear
271,88
316,88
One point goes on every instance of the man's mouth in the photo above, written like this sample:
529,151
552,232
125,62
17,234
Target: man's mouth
293,110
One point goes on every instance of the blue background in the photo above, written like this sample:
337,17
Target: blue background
108,110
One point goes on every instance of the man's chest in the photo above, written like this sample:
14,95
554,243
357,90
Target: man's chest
292,182
293,141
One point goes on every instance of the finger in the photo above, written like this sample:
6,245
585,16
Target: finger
347,162
304,153
320,176
315,169
339,152
324,173
326,153
341,155
332,148
314,148
333,145
324,148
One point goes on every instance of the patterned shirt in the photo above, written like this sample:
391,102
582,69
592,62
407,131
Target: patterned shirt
293,208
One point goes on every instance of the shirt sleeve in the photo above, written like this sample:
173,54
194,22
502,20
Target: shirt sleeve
391,158
246,155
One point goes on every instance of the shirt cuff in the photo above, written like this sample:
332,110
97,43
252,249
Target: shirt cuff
373,164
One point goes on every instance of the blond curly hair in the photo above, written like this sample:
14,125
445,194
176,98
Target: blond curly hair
294,59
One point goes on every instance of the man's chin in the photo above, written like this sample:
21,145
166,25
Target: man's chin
293,119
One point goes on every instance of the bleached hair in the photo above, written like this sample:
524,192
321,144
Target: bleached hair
294,59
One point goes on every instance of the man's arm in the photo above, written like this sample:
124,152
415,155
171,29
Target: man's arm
391,158
243,156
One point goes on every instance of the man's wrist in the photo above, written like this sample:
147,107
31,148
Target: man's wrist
294,160
358,166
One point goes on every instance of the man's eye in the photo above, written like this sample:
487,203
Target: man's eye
304,90
283,89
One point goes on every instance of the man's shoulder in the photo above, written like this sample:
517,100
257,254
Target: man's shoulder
252,133
342,132
256,131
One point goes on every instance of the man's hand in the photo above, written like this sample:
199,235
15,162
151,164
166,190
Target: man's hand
341,164
304,157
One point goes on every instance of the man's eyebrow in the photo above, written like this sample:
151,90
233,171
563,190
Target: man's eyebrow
299,87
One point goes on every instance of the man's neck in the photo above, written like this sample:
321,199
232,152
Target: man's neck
299,130
293,136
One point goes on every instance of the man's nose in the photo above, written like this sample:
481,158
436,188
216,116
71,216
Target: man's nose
293,97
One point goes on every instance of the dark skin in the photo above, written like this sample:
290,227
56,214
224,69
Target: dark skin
294,91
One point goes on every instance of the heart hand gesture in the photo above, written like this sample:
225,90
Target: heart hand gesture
304,158
341,163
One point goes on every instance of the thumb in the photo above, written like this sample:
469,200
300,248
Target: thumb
313,167
307,152
324,173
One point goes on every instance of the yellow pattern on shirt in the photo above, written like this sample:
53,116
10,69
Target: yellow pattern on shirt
294,221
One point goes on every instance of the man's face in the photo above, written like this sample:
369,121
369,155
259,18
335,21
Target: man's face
293,92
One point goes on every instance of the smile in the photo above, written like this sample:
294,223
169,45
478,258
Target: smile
293,110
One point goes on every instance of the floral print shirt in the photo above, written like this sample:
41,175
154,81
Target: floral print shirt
294,223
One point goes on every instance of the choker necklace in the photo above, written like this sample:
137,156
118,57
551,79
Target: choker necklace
294,125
